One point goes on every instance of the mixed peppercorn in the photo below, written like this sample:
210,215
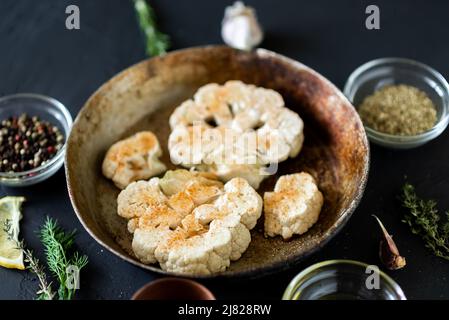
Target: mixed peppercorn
27,143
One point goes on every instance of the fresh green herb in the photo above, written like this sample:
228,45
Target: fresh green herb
57,245
424,220
156,42
45,291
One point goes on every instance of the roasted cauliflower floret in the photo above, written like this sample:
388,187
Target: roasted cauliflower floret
234,130
147,198
175,181
214,234
197,226
240,198
240,234
145,242
254,174
195,249
153,214
293,207
132,159
139,198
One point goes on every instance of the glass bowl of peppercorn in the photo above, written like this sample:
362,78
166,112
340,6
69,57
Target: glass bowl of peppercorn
33,133
402,103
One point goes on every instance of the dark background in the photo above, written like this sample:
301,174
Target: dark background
37,54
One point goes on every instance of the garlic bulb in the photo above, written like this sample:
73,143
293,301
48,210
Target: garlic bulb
240,28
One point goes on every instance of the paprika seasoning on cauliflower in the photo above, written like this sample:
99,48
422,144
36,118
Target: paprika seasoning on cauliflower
293,207
234,130
134,158
189,222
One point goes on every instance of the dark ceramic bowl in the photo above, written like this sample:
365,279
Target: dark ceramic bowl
142,97
173,289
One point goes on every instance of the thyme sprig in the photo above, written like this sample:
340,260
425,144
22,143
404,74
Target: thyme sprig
45,291
424,220
156,42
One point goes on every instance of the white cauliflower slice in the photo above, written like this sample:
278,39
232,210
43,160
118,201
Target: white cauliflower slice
214,234
293,207
184,190
132,159
139,197
241,199
197,226
234,130
254,174
240,235
145,242
193,249
285,129
153,228
153,214
175,181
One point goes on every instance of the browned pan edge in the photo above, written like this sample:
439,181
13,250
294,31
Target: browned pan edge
266,270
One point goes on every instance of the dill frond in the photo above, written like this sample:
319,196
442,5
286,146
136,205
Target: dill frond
58,245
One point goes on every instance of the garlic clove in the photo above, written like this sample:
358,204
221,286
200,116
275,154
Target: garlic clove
240,28
388,251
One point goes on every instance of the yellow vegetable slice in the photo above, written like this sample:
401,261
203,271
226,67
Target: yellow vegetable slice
10,255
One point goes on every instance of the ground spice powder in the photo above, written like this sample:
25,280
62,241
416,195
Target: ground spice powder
398,109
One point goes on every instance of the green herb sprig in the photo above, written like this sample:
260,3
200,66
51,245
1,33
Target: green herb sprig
157,43
424,220
57,245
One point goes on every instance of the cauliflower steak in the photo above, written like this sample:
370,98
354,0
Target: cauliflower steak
234,130
293,207
189,222
134,158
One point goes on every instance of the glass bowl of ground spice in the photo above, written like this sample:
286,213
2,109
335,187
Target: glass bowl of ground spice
33,133
402,103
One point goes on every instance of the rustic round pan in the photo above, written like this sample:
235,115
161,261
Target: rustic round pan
142,97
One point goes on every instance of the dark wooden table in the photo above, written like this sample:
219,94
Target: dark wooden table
38,54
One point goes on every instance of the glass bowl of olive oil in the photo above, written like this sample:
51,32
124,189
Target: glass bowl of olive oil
376,76
343,280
